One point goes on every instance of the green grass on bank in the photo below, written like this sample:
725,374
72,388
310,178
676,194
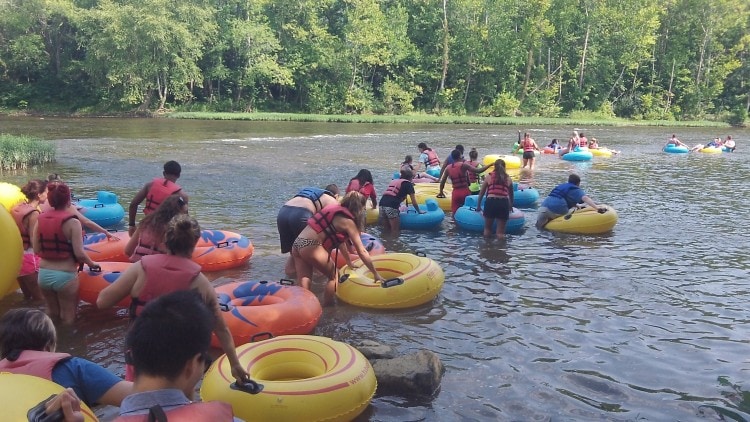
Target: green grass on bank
20,152
434,119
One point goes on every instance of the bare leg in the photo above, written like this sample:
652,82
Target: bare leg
30,286
53,306
302,268
290,269
500,232
68,297
395,225
487,227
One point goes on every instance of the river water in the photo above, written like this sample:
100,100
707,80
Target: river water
649,322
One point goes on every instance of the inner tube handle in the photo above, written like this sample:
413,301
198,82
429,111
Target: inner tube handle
343,278
392,282
98,205
286,282
249,386
265,335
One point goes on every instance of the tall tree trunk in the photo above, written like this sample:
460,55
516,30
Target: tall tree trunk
446,47
527,76
585,49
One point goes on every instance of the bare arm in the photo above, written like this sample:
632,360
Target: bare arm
351,229
90,224
414,202
72,229
133,207
482,191
443,178
590,202
203,286
121,288
116,393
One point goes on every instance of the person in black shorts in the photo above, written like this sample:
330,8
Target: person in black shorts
498,187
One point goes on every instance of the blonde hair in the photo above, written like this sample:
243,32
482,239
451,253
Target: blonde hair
182,234
356,203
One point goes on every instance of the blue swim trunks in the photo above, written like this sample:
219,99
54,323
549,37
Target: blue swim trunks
55,279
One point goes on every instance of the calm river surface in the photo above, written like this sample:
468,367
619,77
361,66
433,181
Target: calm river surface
649,322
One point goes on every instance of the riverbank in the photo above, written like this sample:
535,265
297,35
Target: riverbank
584,119
579,119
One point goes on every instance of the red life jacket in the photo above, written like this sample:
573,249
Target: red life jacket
458,176
527,145
33,362
432,158
160,190
394,187
164,274
147,245
214,411
19,212
473,177
322,221
497,189
52,240
583,142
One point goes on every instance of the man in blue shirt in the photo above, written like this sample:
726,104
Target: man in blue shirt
562,198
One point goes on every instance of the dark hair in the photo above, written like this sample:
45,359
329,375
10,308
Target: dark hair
168,333
473,154
363,176
181,235
157,221
407,174
333,188
501,176
172,167
33,188
58,195
456,154
574,179
460,148
54,177
26,329
422,145
408,159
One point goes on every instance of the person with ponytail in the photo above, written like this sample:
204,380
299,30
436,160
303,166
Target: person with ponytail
158,274
334,227
58,239
148,238
498,187
25,215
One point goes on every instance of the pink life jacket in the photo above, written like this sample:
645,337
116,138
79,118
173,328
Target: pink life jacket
214,411
164,274
322,221
160,190
19,213
34,362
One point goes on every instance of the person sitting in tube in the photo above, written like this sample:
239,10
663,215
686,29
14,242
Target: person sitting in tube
562,198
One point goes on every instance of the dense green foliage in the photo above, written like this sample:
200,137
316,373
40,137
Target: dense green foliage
20,152
636,59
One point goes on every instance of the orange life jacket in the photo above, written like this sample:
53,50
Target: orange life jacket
19,213
458,177
52,240
497,189
322,221
160,190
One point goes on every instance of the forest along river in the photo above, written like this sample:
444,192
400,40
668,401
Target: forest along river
649,322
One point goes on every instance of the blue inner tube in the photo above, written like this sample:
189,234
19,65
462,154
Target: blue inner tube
676,149
410,219
468,218
104,210
578,155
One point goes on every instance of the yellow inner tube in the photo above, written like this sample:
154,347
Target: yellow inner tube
425,191
304,378
511,161
600,152
19,393
585,221
10,263
10,195
411,280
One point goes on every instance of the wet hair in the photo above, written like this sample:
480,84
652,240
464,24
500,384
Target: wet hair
422,145
363,176
58,195
473,154
54,177
408,159
157,221
456,154
526,135
333,188
26,329
554,141
172,167
460,148
355,202
501,176
407,174
34,188
574,179
581,135
181,235
168,333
